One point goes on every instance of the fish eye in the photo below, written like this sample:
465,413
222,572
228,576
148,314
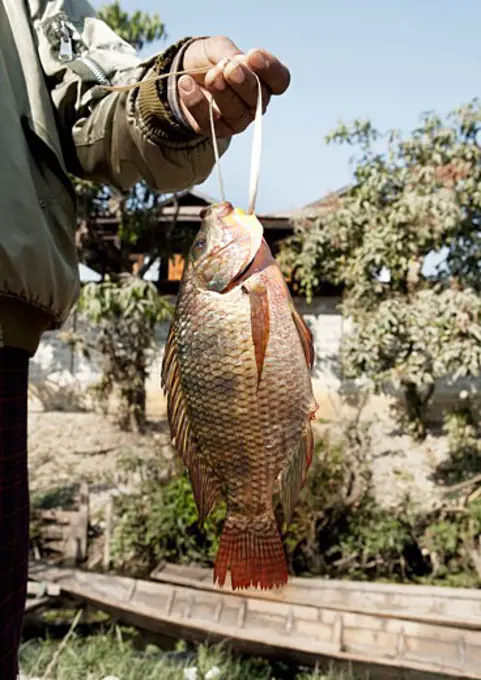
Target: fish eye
200,244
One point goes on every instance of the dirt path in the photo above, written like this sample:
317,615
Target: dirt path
68,448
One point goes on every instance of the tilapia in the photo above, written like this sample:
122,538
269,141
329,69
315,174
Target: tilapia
236,373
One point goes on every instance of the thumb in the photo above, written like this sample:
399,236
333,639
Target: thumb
205,53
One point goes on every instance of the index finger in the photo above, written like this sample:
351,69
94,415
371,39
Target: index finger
269,69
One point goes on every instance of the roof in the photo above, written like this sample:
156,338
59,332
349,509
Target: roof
189,204
312,209
198,196
190,210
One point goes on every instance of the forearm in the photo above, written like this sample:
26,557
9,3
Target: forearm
135,135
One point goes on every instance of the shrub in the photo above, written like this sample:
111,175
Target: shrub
159,522
338,529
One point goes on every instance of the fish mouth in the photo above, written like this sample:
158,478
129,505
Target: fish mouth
217,210
243,226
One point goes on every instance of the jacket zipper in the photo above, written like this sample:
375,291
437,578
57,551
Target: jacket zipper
66,45
66,51
97,71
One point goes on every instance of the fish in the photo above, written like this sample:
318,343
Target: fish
236,373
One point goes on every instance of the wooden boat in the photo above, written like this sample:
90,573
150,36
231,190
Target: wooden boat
430,604
387,630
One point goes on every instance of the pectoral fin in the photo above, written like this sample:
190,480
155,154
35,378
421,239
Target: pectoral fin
259,302
205,483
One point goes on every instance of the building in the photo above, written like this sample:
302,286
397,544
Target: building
158,254
53,364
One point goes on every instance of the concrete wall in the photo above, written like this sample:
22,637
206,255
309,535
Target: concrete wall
60,380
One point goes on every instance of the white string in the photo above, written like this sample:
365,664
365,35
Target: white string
216,148
256,138
256,151
255,154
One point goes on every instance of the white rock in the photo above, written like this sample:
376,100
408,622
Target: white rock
191,673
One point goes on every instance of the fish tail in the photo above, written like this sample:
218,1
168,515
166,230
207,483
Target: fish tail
252,550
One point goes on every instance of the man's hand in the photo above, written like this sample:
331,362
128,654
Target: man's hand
230,81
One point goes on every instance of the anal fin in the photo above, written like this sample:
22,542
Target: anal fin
294,475
206,486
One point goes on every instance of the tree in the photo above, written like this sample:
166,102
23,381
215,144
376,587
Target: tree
126,314
138,29
411,197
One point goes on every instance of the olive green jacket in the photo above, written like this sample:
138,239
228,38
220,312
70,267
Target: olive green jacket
56,118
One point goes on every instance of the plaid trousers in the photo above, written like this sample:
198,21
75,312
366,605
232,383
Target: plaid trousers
14,505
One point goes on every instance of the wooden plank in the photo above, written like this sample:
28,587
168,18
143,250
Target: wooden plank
40,589
35,603
54,515
82,522
204,574
294,630
109,529
66,531
430,604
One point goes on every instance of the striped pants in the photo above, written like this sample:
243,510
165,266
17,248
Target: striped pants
14,505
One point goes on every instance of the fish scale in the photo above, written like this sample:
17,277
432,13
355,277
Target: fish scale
237,363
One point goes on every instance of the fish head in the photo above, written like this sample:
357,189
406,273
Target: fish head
225,246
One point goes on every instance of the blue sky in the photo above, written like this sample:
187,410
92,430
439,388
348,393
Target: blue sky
387,60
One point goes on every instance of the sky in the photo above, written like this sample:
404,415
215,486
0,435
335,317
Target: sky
386,60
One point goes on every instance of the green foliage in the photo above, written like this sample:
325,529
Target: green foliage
159,522
113,654
462,427
410,344
116,653
411,197
138,28
126,314
452,539
339,530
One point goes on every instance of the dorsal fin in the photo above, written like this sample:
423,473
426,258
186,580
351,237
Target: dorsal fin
305,335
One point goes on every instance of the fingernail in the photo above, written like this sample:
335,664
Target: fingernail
222,64
219,83
237,75
258,60
186,84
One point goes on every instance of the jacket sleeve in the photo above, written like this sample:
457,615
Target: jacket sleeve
114,137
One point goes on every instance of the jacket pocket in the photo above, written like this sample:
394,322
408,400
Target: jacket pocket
53,183
53,234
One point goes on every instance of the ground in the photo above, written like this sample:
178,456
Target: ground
69,448
65,448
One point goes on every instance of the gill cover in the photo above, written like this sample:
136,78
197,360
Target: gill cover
225,246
